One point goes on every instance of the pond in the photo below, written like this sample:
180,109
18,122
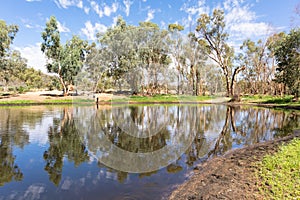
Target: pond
121,152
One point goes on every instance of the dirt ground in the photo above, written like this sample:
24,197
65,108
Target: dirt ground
46,95
230,176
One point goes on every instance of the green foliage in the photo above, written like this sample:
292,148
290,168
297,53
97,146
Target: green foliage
213,36
13,67
51,41
127,50
97,67
288,57
7,35
175,27
65,60
279,174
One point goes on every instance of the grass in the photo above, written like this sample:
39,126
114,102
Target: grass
75,100
164,98
279,174
46,101
267,99
17,102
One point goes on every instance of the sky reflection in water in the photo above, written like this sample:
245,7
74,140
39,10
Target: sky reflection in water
85,153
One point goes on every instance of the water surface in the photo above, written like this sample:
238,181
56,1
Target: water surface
125,152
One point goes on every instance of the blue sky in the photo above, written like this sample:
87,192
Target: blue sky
245,18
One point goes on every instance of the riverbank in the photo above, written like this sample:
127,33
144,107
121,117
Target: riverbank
56,97
231,176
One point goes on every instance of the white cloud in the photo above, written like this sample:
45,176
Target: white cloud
150,15
241,21
96,8
250,30
67,3
239,14
34,191
108,10
195,9
128,4
90,31
28,26
86,10
35,57
62,28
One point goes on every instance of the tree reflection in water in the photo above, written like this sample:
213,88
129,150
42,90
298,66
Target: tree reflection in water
12,134
79,135
246,126
64,142
216,129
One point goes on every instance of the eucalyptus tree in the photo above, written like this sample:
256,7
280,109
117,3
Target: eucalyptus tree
211,34
196,60
7,35
287,53
153,52
134,52
176,44
96,66
64,60
260,66
115,43
33,78
13,68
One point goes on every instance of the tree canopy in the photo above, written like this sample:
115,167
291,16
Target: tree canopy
64,60
287,53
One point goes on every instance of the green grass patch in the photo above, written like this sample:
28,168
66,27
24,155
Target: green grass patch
46,101
267,99
164,98
16,102
279,174
75,100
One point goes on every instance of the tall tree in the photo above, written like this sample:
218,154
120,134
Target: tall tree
134,52
7,35
177,51
153,52
64,60
212,34
287,53
196,58
115,42
260,67
97,66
